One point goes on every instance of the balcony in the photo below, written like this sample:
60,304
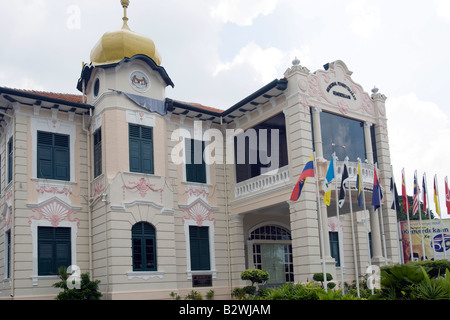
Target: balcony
262,182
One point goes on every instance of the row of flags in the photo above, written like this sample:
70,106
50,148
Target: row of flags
377,194
309,171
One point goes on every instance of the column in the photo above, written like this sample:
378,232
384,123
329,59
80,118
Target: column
378,258
368,142
237,245
321,172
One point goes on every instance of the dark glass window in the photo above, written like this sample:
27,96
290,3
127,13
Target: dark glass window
253,149
144,247
342,135
334,247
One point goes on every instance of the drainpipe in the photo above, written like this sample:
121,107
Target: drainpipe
230,281
86,131
13,209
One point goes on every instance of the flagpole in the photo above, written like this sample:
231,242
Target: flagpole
407,214
380,213
341,254
353,237
429,214
440,216
321,235
394,189
420,214
365,217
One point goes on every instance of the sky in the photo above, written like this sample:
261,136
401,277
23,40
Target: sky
217,52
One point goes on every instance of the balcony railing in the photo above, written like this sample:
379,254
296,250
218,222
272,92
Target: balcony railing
367,172
262,182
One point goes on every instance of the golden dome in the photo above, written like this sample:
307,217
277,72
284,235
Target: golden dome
114,46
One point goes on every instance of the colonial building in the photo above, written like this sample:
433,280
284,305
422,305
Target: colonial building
113,180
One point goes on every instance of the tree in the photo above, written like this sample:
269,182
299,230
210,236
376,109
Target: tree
401,215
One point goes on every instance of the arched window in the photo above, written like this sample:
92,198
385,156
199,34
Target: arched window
144,247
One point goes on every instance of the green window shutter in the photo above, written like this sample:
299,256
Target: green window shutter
10,159
195,172
54,249
141,149
97,153
53,156
199,245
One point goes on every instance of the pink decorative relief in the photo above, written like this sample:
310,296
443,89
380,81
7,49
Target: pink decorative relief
55,212
54,190
142,186
198,212
98,189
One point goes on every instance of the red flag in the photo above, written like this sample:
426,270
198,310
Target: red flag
416,194
447,196
404,195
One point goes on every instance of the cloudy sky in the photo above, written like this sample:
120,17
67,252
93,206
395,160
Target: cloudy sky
217,52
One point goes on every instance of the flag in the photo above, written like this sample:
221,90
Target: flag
393,188
377,195
425,195
326,184
342,193
404,195
307,172
436,197
359,186
447,196
416,194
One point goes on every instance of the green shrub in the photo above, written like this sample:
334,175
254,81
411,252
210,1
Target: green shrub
255,276
88,289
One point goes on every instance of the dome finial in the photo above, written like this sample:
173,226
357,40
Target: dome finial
125,4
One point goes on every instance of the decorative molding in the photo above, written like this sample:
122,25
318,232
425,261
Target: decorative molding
6,218
142,186
145,275
199,211
54,211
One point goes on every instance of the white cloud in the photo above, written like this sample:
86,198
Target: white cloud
419,134
242,13
264,63
366,18
443,9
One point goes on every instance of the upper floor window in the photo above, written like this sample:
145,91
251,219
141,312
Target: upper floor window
97,153
53,156
261,149
141,149
10,159
195,162
144,247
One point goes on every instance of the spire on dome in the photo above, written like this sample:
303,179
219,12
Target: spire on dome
125,4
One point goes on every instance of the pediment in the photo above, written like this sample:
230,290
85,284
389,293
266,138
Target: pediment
334,89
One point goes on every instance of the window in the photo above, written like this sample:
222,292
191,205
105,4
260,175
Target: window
97,153
8,253
195,163
54,249
141,149
254,156
342,135
10,159
334,247
53,156
199,245
144,247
